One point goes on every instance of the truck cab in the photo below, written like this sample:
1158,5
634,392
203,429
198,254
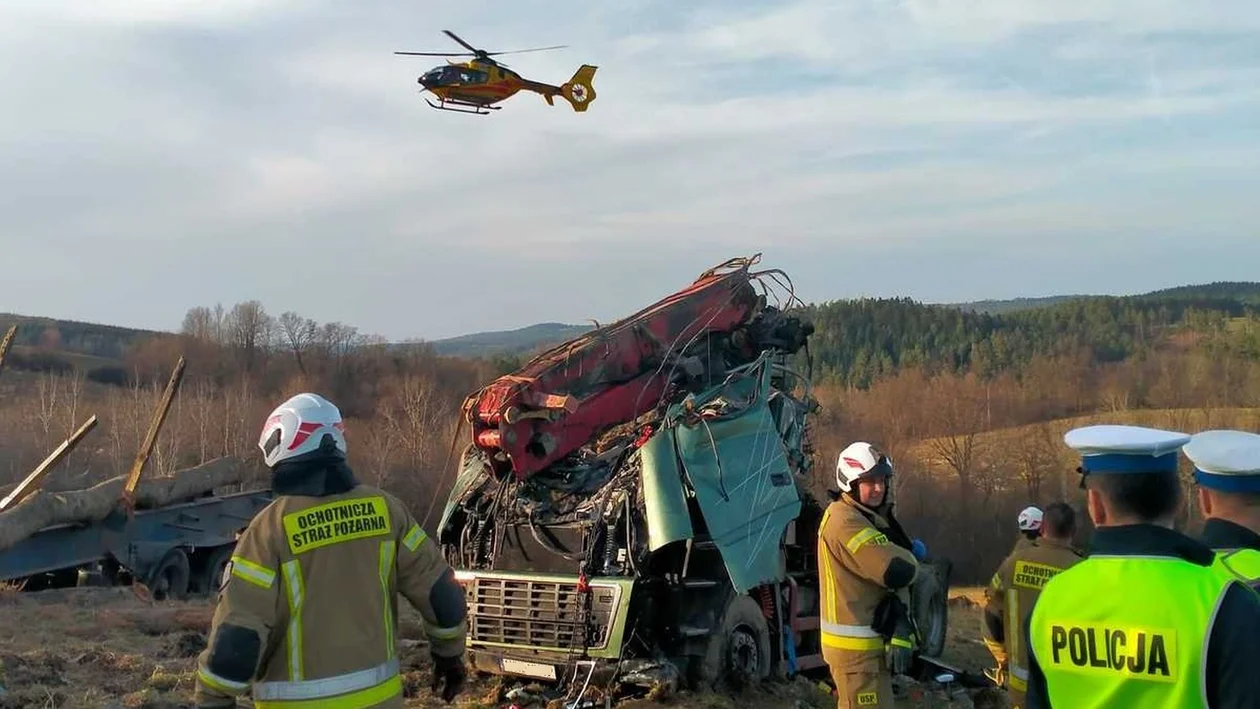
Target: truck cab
677,548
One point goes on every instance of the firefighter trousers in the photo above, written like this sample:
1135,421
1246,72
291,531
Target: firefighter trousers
862,679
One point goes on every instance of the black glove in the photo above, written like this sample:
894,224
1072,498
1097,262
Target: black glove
451,670
901,653
901,646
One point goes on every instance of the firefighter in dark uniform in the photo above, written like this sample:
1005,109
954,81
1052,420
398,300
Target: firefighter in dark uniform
1149,619
1227,469
308,607
1014,589
1029,523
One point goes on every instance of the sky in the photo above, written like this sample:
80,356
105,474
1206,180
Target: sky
157,155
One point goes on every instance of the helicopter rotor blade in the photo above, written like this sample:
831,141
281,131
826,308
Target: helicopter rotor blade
535,49
465,45
437,54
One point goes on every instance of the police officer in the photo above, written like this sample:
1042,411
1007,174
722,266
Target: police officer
865,565
308,610
1148,619
1227,469
1014,590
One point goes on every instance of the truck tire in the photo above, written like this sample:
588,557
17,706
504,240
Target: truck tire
170,576
209,574
929,602
739,649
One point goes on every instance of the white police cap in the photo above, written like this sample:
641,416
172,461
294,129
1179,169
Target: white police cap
1228,461
1112,448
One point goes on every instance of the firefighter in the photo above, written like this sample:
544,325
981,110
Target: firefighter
1148,619
1014,590
865,565
1029,522
1227,469
307,609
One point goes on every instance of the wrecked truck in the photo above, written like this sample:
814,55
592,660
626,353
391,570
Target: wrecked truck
634,506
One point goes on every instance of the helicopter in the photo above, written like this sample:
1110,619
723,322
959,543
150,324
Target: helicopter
476,85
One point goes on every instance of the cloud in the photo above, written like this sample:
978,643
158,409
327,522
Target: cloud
168,155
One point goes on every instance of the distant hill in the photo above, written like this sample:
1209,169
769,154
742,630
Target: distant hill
1224,296
856,340
90,340
996,307
1242,291
508,342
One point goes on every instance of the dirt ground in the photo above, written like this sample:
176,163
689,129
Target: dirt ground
107,648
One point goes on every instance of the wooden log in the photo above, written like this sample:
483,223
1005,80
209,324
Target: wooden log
31,483
45,509
6,343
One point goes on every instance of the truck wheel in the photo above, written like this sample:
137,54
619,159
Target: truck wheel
929,599
170,577
739,650
209,576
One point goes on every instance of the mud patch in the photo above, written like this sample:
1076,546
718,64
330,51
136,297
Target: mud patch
32,668
186,645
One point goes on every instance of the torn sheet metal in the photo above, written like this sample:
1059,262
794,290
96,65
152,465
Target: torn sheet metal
664,501
744,488
473,472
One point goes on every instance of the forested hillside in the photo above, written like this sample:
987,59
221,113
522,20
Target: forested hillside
858,341
507,342
935,386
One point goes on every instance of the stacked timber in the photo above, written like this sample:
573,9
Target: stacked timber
41,509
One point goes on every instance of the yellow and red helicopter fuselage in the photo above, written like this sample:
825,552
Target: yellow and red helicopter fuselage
475,86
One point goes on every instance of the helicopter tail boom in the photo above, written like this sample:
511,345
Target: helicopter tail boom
579,91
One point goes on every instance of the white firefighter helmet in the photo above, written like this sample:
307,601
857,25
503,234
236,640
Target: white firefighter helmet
861,461
299,426
1030,519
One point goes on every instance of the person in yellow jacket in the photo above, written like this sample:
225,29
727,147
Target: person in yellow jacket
307,613
1014,590
1227,470
1150,618
865,565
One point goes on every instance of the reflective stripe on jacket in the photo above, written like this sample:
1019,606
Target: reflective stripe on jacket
1013,591
853,556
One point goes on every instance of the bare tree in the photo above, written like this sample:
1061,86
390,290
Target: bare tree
381,445
249,331
1035,452
338,340
299,334
199,324
49,389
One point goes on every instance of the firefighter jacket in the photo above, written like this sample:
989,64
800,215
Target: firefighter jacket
1150,619
1238,547
858,566
308,608
1011,595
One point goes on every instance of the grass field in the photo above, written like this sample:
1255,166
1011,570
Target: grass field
105,647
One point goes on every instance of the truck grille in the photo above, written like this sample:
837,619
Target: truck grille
539,614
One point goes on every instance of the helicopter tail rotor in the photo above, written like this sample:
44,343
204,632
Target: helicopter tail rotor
579,91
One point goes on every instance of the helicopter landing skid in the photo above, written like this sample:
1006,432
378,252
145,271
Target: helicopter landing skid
463,107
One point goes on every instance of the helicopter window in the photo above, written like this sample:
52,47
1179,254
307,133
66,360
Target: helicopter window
471,76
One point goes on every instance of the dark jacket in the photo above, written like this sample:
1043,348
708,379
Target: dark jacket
1221,534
